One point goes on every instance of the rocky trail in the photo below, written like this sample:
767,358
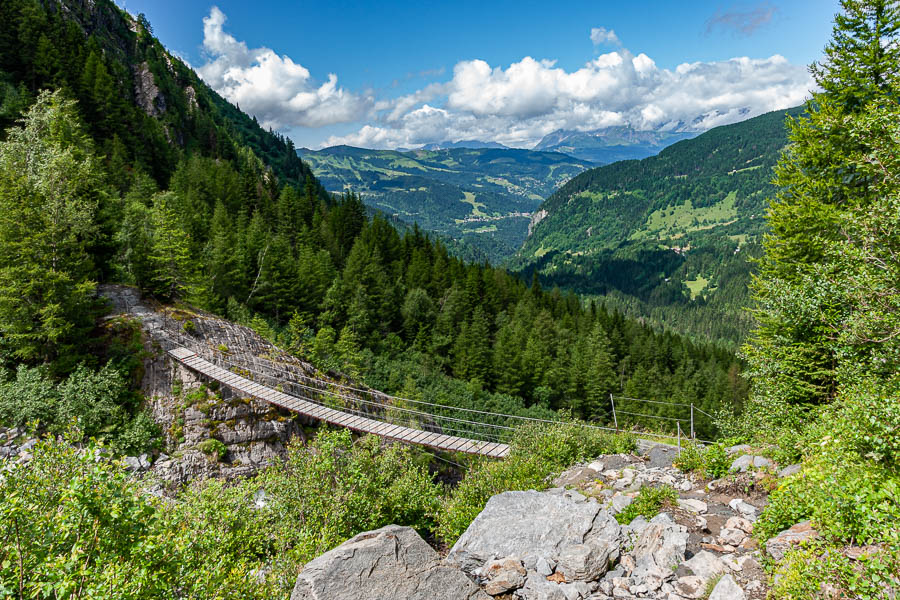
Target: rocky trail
566,544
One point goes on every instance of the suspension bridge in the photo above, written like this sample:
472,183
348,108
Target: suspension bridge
238,358
442,427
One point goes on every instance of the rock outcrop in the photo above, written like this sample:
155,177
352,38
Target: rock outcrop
559,527
566,544
146,92
391,563
191,411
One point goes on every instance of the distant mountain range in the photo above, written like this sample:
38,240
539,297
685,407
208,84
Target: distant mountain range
462,144
483,196
611,144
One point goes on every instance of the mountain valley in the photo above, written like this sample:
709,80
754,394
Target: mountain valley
483,196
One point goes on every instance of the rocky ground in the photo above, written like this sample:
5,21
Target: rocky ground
566,544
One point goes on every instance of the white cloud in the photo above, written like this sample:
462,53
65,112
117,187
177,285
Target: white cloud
516,105
521,103
603,36
275,89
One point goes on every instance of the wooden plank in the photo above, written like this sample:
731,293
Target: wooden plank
357,422
388,429
454,443
423,435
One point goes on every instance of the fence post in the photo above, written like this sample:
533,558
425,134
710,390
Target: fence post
692,421
678,427
615,420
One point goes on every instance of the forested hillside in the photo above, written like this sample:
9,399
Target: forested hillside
667,237
231,221
483,196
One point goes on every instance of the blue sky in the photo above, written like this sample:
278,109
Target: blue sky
388,74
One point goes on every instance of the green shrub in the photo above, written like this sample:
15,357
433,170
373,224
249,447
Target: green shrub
850,484
99,403
83,528
691,459
332,489
718,463
847,500
213,448
711,462
807,572
648,503
537,452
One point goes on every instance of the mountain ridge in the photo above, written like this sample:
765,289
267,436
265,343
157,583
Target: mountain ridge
667,231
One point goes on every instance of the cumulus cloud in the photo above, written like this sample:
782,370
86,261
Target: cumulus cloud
275,89
529,99
744,21
603,36
515,105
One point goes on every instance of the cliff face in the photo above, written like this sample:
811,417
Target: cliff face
208,430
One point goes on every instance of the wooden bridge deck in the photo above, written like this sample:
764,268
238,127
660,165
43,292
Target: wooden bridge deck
399,433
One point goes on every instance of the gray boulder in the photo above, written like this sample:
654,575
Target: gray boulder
705,565
503,575
800,533
659,548
391,563
789,470
743,463
662,456
559,526
575,476
539,588
727,589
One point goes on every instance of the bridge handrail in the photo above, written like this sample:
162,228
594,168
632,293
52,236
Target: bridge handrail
420,402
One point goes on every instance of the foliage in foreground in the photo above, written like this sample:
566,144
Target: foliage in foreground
826,353
73,525
537,453
811,572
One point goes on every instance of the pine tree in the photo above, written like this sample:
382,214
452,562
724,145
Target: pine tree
863,57
601,380
50,186
170,257
835,173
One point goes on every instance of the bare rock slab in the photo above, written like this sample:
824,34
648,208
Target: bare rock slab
391,563
558,526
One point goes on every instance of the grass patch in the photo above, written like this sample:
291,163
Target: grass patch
697,285
677,220
648,503
469,198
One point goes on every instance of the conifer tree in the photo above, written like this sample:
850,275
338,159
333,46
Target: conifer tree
863,57
50,187
170,257
828,178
